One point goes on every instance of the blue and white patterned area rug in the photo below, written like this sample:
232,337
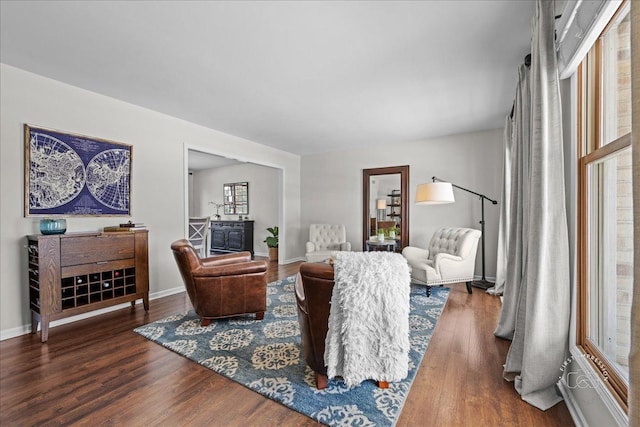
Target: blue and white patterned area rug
266,356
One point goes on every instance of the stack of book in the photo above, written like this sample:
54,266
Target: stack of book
129,226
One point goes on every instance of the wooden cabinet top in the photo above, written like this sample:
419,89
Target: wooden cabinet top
83,234
223,225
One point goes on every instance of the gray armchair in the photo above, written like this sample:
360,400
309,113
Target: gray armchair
450,258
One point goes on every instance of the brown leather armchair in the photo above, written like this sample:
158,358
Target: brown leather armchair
314,286
224,285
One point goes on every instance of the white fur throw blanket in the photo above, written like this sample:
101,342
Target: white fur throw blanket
368,335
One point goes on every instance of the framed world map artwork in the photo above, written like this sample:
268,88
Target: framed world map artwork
68,174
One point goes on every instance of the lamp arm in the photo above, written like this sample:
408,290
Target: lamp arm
468,191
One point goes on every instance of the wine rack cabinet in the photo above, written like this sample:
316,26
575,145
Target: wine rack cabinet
75,273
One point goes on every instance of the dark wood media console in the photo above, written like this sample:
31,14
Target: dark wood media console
74,273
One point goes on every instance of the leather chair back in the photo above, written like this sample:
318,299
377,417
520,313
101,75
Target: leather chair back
187,260
314,286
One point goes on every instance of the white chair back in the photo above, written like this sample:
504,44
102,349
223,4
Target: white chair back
327,236
198,233
453,240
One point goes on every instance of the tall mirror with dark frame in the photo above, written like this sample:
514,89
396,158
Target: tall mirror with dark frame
385,204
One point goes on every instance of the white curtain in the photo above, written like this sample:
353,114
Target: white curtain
512,218
511,239
536,308
503,236
634,354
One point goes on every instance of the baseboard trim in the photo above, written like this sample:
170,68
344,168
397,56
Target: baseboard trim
26,329
282,261
590,403
572,404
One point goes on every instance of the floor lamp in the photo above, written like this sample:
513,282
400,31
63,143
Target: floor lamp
440,192
382,209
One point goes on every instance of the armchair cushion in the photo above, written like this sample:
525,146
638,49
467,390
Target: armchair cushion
226,258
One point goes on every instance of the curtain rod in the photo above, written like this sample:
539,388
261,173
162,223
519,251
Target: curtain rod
527,58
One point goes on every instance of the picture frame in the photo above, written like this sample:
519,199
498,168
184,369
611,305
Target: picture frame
68,174
236,198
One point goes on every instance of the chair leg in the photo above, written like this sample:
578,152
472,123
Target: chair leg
383,384
260,315
469,287
428,291
205,322
321,381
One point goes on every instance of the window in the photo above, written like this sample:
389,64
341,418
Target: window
236,198
605,201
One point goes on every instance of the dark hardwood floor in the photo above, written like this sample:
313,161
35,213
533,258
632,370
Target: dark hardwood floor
97,371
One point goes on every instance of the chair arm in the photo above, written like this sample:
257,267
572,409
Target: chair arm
234,269
415,254
319,270
345,246
444,263
442,256
300,297
226,259
311,247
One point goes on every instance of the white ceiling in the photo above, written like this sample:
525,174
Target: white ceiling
303,77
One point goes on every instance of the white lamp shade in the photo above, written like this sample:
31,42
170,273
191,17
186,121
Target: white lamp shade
434,193
382,204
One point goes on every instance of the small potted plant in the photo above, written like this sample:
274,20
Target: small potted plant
272,243
392,232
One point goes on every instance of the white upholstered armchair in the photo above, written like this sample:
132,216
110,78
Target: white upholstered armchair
325,240
450,258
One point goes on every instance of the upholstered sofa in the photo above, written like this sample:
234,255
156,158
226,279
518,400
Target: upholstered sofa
450,258
224,285
325,240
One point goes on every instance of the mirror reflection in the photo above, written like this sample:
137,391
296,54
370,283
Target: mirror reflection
386,215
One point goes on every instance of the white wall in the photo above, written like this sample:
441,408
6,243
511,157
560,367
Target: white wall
159,176
332,186
263,196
